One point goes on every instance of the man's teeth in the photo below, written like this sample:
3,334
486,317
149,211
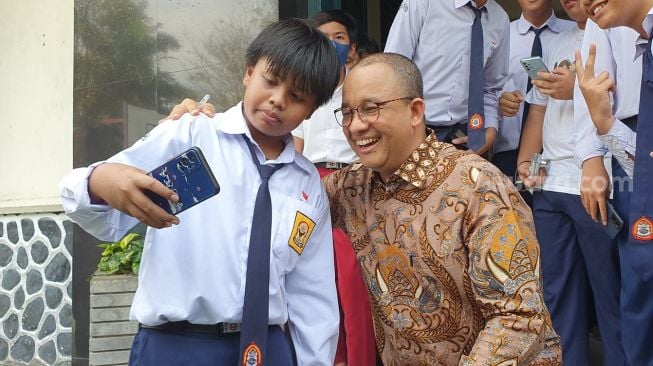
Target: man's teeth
598,8
364,142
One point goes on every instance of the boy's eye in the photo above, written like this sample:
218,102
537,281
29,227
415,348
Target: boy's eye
270,81
296,97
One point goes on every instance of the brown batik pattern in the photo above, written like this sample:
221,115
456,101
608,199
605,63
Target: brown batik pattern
449,254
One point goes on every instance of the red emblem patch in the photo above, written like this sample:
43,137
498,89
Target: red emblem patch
642,229
476,122
252,356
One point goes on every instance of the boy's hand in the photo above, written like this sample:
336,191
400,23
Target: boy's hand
595,188
509,103
558,84
121,187
596,91
523,170
189,106
490,137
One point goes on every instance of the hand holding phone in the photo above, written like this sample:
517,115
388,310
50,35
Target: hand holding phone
189,176
533,65
615,223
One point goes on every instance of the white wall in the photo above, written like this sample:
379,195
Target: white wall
36,102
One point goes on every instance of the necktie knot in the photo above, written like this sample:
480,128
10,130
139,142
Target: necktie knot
266,171
539,31
477,11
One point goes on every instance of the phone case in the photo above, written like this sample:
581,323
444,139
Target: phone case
189,175
533,65
615,223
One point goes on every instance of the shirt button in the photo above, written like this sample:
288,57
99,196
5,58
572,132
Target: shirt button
650,154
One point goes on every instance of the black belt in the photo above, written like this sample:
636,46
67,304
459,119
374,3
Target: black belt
186,327
330,165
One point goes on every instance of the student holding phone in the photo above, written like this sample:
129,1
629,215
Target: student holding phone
215,288
580,262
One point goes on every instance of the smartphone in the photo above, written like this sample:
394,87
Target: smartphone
615,223
187,174
533,65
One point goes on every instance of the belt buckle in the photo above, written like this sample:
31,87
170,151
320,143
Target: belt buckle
230,328
332,165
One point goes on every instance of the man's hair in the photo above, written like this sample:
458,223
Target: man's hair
410,79
298,52
338,16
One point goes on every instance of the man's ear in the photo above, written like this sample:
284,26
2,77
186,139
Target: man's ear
417,108
353,47
248,75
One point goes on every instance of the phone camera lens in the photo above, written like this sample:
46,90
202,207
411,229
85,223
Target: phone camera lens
184,161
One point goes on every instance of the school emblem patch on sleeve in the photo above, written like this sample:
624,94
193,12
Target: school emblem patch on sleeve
476,121
642,229
301,232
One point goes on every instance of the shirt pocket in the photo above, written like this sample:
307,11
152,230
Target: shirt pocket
295,229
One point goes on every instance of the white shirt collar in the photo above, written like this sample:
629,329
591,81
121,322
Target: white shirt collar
524,26
237,126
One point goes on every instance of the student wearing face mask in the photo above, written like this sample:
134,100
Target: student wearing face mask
322,141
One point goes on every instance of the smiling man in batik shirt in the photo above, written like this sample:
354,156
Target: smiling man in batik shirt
446,244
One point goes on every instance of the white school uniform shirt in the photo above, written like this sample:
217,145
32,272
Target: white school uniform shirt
563,175
521,43
436,35
615,54
196,270
323,138
620,139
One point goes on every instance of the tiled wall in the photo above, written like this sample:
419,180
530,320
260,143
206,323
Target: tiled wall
35,289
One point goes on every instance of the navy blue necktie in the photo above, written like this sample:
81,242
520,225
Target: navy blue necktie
254,327
641,202
475,101
536,50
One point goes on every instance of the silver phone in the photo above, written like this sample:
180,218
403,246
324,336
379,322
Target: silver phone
533,65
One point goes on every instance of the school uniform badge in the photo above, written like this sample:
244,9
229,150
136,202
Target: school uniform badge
301,232
642,229
252,356
476,121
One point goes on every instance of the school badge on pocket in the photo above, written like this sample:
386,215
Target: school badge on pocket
301,232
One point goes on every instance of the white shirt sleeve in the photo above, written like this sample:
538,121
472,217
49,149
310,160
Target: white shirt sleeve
496,75
404,33
620,141
312,300
588,144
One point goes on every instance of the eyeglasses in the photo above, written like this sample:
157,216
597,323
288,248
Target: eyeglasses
368,112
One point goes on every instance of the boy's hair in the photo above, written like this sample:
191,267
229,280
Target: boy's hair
338,16
410,79
298,52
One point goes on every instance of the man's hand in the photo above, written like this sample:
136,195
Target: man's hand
121,187
596,91
558,84
189,106
509,103
490,137
595,188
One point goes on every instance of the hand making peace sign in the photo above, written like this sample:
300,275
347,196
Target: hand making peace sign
596,91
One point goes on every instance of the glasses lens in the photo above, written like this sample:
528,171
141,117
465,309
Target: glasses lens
369,112
343,116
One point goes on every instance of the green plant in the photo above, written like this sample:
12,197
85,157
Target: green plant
123,256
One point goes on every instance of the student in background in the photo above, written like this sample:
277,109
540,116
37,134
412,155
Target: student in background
633,153
462,83
580,262
530,35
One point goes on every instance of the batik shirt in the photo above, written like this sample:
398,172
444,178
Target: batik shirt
450,257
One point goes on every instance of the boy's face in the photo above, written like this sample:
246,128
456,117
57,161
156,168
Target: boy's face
273,107
574,10
614,13
536,7
338,32
382,145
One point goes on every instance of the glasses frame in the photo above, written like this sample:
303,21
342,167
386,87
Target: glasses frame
379,107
